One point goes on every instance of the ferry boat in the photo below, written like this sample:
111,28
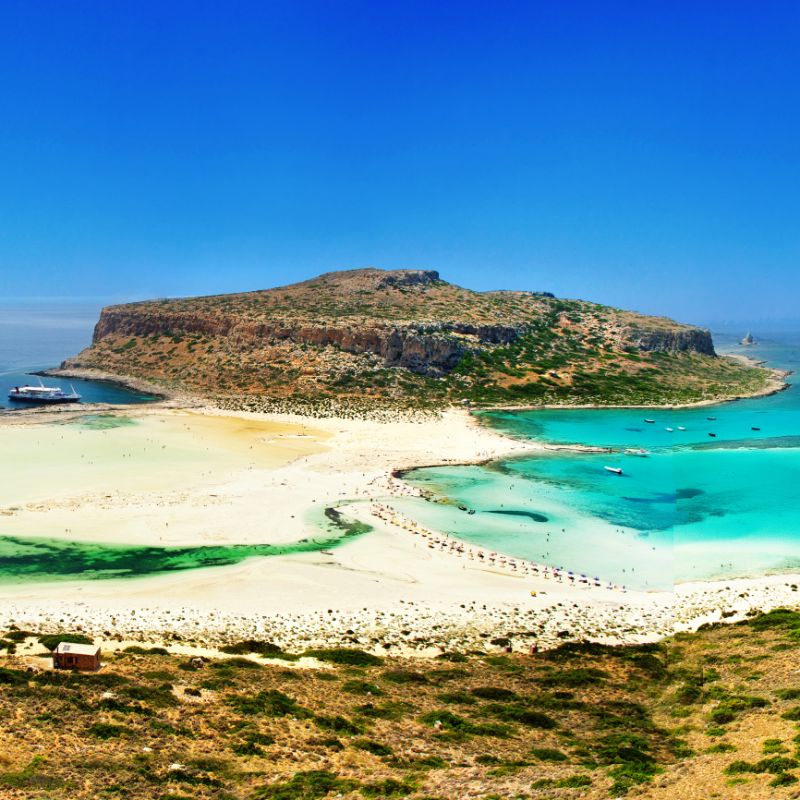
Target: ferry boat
43,394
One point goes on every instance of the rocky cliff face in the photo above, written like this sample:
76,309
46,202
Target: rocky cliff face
424,348
430,349
696,340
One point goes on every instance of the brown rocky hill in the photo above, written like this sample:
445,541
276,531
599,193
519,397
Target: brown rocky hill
407,337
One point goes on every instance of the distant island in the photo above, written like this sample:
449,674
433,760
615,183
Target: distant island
370,338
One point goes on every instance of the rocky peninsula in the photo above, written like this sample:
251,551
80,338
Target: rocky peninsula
368,339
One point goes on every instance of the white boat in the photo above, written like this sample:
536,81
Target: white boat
632,451
615,470
43,394
651,421
681,428
670,430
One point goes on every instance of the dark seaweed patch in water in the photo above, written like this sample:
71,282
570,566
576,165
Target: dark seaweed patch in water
688,493
773,442
501,467
50,559
660,513
666,497
535,516
514,423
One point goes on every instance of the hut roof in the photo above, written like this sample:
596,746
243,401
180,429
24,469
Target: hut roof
77,649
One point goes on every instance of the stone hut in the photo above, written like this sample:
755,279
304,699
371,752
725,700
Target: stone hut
76,656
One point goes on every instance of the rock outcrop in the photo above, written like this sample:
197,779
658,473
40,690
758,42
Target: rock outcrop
655,340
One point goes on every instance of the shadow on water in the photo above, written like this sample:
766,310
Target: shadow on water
666,497
54,559
771,443
534,515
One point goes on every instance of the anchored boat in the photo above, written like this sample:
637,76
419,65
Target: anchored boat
43,394
615,470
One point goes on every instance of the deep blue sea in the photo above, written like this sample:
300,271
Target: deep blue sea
38,336
698,507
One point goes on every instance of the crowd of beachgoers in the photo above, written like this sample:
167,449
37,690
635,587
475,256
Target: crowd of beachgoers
448,543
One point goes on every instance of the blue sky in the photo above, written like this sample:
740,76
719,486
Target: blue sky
645,155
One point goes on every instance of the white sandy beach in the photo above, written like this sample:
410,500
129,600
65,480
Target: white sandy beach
199,477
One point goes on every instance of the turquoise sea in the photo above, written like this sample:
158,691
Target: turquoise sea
697,507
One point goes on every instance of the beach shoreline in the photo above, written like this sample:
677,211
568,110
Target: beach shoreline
776,384
366,593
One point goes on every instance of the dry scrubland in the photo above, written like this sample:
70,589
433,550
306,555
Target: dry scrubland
712,714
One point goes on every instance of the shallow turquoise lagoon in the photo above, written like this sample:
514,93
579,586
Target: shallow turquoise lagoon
697,507
47,559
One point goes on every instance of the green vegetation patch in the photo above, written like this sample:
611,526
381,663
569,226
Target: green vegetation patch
450,722
268,703
308,785
31,777
362,687
252,646
345,656
574,678
107,730
52,640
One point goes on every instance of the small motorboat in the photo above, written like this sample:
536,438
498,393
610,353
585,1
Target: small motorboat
615,470
711,419
632,451
713,435
755,429
670,430
681,428
650,421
